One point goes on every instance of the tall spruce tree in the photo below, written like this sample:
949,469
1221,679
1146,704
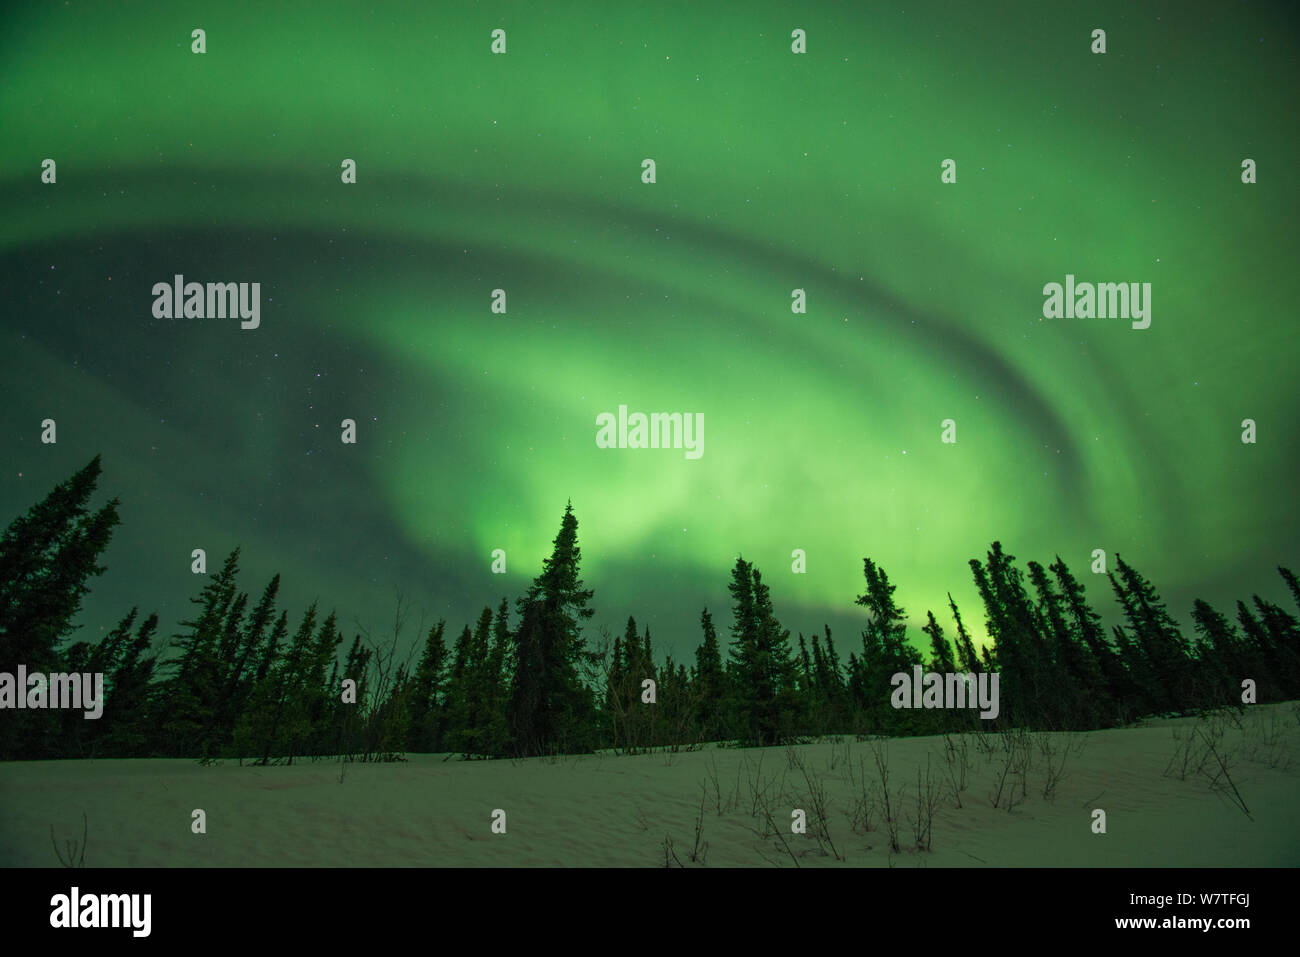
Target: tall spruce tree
494,728
47,557
1081,698
551,708
885,650
634,719
1225,655
1118,693
458,709
1158,638
615,712
425,733
709,679
126,733
941,655
1284,641
270,725
192,695
764,687
966,654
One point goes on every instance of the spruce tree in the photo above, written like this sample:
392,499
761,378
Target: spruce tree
1284,639
191,697
494,730
966,654
1159,638
941,656
349,719
458,730
709,680
1045,679
805,690
1147,696
265,722
764,685
1225,654
426,692
1081,697
550,706
1117,695
127,708
1292,584
635,669
836,690
615,695
885,649
478,687
310,696
47,556
240,679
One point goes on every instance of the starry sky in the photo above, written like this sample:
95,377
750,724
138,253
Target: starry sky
775,171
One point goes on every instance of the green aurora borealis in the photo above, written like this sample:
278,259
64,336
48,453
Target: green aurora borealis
775,171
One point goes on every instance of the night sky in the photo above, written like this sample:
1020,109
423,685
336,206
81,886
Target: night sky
775,171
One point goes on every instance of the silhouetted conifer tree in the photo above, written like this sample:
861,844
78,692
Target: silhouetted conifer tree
1283,638
426,693
47,556
241,656
1118,693
941,656
885,651
262,729
494,728
1224,654
1146,696
550,706
1158,637
191,699
1292,584
458,705
966,654
709,680
763,685
1082,703
1045,700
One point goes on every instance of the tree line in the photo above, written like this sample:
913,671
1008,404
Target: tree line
242,680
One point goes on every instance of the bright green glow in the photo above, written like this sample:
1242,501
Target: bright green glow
775,172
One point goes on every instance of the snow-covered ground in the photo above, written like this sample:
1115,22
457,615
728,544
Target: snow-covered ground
610,810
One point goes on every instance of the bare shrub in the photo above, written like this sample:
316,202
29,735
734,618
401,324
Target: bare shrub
864,799
927,799
76,850
1055,754
712,779
813,796
1265,739
701,849
1202,752
839,753
670,855
956,756
889,802
1011,769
